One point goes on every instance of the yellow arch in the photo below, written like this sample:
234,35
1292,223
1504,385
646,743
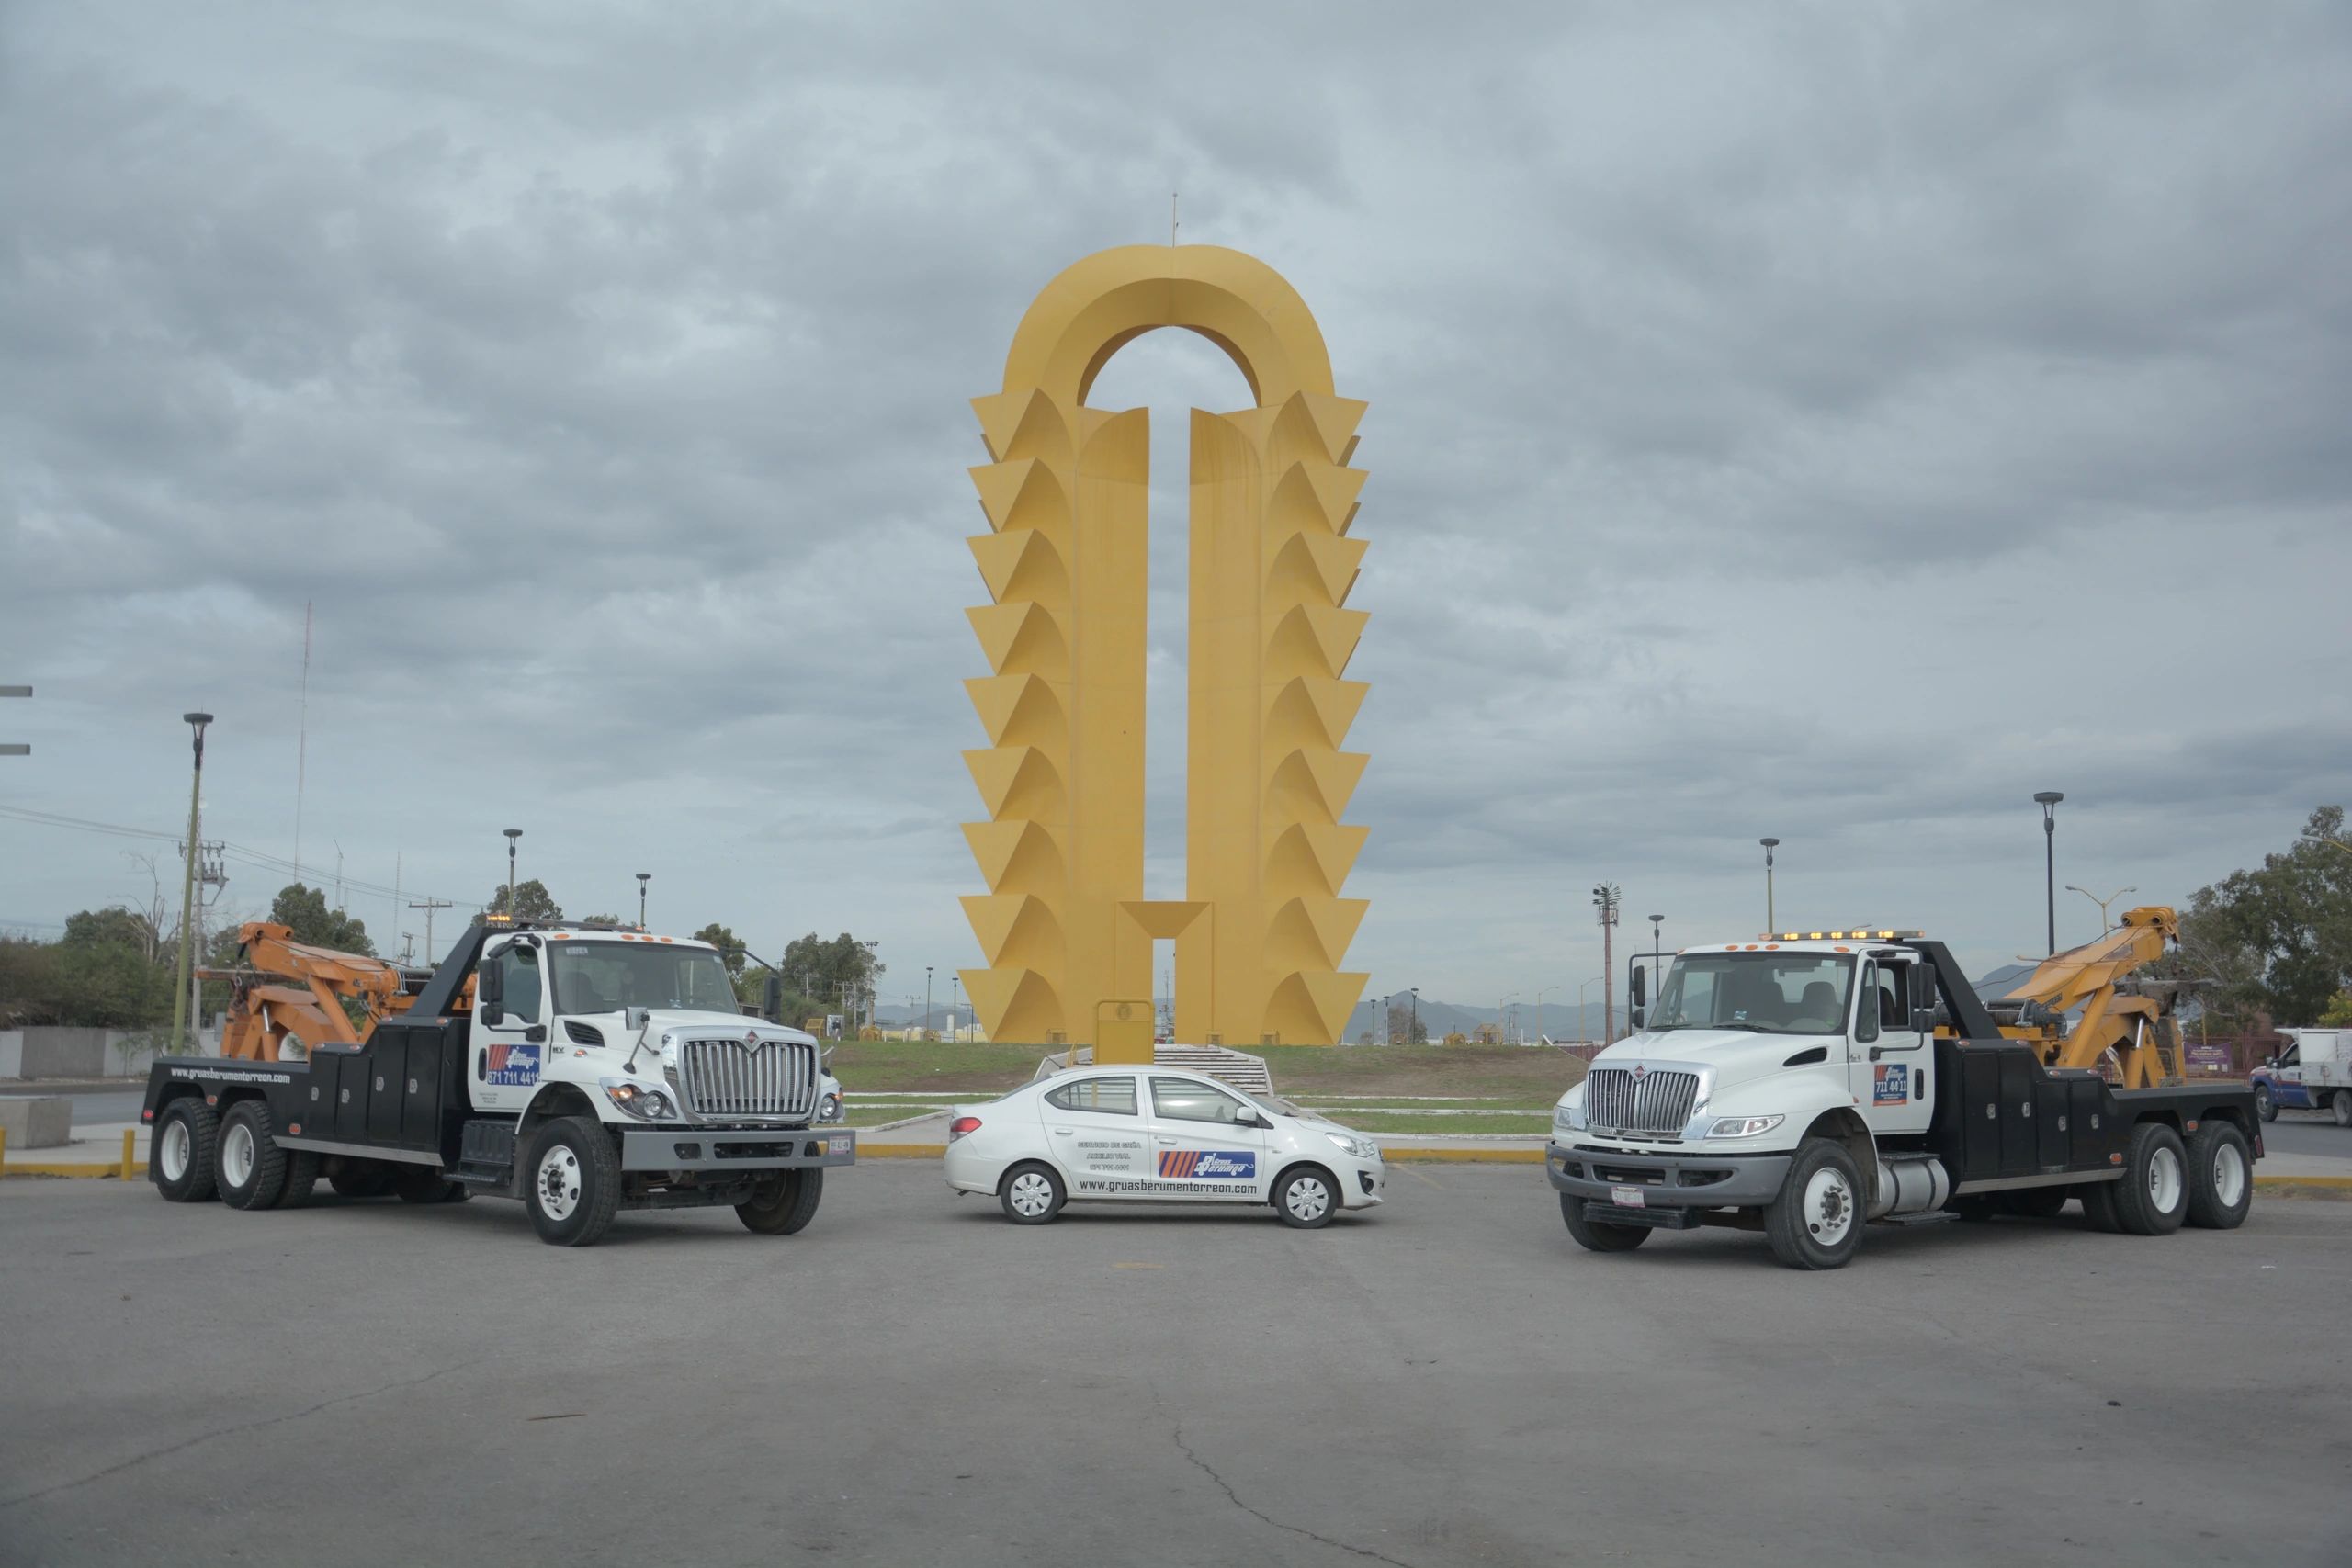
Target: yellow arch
1095,306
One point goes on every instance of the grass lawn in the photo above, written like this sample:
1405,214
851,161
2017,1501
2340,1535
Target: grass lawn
1528,1074
1529,1125
1523,1104
960,1071
880,1116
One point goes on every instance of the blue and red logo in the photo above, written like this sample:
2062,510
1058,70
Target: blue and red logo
1209,1165
515,1066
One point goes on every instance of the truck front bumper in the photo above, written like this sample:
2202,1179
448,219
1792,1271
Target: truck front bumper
1668,1182
736,1148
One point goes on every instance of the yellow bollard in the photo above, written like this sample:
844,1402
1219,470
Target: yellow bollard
130,1150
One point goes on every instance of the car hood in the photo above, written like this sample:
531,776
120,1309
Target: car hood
1737,1055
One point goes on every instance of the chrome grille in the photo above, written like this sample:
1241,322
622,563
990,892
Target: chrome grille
1657,1102
727,1077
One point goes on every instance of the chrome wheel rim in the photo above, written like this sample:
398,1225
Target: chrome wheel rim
558,1182
2164,1180
1308,1199
1031,1194
2229,1175
237,1155
1828,1207
174,1152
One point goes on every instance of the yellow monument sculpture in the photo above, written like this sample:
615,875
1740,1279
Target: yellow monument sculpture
1064,925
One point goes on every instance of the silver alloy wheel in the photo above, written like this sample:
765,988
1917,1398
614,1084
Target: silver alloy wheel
1031,1194
174,1153
237,1154
2164,1180
2229,1174
1828,1206
558,1185
1308,1199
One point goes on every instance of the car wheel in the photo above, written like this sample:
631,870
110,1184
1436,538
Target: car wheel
425,1184
2153,1197
1599,1237
1816,1221
784,1208
181,1166
2035,1202
2342,1106
1031,1194
252,1168
360,1177
573,1181
2220,1177
1307,1198
2265,1105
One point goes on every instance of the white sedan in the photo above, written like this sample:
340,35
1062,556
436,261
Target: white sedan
1157,1136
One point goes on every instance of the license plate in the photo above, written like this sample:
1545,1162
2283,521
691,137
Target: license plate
1628,1198
840,1144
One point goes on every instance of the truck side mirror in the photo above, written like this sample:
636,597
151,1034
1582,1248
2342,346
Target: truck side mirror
771,999
490,991
1923,998
1636,990
1637,1011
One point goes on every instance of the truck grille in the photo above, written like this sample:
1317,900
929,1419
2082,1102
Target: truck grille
1614,1100
727,1077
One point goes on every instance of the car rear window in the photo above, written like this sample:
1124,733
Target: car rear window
1114,1096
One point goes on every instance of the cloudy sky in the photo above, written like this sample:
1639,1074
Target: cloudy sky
1835,421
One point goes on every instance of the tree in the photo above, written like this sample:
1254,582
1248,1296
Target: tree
532,902
105,976
1403,1027
822,969
304,912
604,919
2277,940
730,946
31,990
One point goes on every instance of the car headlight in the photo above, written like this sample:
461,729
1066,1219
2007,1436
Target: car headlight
1568,1116
1363,1148
1742,1126
640,1100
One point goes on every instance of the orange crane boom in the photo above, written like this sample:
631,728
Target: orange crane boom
2132,1020
289,996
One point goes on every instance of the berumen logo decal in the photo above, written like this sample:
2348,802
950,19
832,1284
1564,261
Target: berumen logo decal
1891,1085
1223,1165
515,1065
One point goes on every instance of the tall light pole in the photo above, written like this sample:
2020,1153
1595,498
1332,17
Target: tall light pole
196,723
926,1000
1658,970
1770,845
2048,800
956,1008
511,834
1604,904
1413,1035
1502,1010
2103,927
1582,986
1541,993
642,878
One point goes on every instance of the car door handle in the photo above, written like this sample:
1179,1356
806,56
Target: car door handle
1167,1140
1061,1131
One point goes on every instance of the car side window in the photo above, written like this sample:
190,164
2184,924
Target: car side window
1113,1096
1180,1099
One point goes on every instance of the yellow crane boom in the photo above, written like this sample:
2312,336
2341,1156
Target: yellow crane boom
2133,1020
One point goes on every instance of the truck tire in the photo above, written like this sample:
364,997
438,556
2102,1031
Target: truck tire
425,1184
2035,1202
361,1177
2220,1177
181,1165
2342,1106
1817,1219
1031,1194
2153,1197
1595,1238
2099,1206
301,1175
787,1207
1307,1198
252,1166
571,1182
2265,1105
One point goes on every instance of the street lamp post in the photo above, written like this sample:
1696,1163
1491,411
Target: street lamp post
1770,845
180,1021
511,834
1582,986
956,1009
1502,1010
2048,800
2103,927
1657,971
642,878
1413,1036
1539,995
926,1001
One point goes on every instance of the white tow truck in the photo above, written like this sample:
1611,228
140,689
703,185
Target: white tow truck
583,1069
1806,1085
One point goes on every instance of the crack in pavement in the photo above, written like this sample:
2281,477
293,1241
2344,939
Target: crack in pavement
137,1460
1234,1498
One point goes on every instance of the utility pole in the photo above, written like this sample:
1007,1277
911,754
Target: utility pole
2048,800
1770,845
431,954
1604,904
211,877
16,748
196,723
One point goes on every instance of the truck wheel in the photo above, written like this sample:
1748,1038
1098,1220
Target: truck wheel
1816,1221
2220,1177
785,1208
425,1184
2035,1202
2153,1197
301,1175
2265,1105
181,1165
1599,1237
2099,1206
1032,1194
361,1177
574,1185
252,1166
1307,1198
2342,1106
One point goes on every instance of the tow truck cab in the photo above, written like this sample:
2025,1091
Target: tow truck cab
1805,1084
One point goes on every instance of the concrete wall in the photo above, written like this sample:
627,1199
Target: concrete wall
52,1053
12,1052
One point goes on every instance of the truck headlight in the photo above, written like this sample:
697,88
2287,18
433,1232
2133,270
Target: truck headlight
830,1108
1742,1126
640,1100
1568,1116
1363,1148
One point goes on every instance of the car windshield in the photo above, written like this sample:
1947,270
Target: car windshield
1768,993
606,976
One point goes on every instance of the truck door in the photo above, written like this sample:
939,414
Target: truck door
509,1047
1201,1151
1887,1060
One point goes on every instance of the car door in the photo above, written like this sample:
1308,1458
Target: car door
1207,1144
1887,1060
510,1050
1092,1128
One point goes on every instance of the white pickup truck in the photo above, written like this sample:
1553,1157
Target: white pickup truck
2313,1073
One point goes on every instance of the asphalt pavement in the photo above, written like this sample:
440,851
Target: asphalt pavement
1445,1379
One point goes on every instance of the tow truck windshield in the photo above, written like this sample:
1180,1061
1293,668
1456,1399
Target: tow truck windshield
1768,993
606,976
